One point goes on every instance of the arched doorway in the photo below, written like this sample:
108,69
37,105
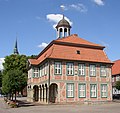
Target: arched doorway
53,91
36,93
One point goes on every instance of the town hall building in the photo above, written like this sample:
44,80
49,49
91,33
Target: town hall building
70,69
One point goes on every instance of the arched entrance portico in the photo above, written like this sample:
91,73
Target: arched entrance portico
36,93
53,91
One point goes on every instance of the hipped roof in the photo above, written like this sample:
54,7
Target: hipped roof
66,49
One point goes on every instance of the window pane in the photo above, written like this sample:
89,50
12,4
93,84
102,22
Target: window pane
82,90
58,67
81,69
103,71
92,70
93,88
70,69
70,90
103,90
36,72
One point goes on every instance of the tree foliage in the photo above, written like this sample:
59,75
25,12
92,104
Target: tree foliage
15,62
117,85
14,73
0,79
14,81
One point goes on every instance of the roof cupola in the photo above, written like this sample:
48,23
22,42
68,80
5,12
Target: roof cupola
63,28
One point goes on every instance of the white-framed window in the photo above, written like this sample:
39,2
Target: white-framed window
103,90
117,78
58,68
92,70
70,90
103,71
36,72
93,90
70,69
81,69
40,71
46,68
43,69
82,90
116,91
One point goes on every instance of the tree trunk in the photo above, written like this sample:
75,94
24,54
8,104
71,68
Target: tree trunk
12,96
15,96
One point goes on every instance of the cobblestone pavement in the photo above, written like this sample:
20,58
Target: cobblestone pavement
101,108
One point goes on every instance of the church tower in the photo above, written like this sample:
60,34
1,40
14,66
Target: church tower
15,48
63,28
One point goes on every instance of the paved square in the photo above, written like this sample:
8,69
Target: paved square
102,108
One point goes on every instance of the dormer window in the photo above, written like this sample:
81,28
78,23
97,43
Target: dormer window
78,52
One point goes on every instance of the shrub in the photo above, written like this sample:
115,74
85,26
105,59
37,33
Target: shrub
13,104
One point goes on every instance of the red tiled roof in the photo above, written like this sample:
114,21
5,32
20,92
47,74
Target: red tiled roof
77,40
61,49
116,67
86,54
33,61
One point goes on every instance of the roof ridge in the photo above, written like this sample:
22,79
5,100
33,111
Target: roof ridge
74,39
51,51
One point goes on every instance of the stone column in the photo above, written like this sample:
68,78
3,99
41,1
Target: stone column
39,94
45,95
58,33
32,95
63,32
67,32
28,94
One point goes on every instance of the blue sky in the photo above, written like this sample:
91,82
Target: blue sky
31,21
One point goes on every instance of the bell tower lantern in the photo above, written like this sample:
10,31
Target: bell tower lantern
63,28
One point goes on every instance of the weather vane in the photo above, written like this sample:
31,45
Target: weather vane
62,8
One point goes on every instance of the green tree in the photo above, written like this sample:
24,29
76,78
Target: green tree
0,79
15,62
13,81
6,84
117,85
14,74
33,56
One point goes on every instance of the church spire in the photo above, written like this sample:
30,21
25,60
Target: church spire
15,48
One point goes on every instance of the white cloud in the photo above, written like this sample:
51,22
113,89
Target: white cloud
63,7
78,7
43,45
55,18
99,2
1,61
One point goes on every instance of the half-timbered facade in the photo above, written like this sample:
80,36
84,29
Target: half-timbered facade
70,69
